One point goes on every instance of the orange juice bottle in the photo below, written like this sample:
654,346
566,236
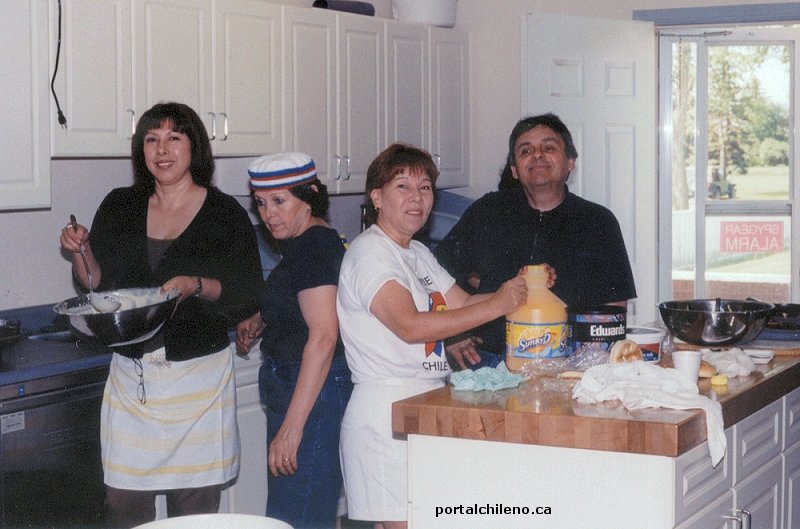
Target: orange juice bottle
537,329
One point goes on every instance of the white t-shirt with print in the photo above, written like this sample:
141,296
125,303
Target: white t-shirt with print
374,353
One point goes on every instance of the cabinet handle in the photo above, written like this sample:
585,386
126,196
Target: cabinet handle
734,519
747,517
133,121
347,161
213,126
224,125
338,166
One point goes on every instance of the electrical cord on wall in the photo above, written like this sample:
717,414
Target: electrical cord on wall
62,120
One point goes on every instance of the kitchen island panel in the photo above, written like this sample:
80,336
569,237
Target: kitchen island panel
488,485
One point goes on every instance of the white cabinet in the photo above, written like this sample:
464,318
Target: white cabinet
715,515
220,57
407,84
248,494
25,125
449,141
93,81
427,80
333,83
760,496
752,471
791,487
247,79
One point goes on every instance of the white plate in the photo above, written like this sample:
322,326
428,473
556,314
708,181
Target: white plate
759,356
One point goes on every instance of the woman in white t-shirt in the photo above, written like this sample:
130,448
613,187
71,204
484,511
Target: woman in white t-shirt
395,306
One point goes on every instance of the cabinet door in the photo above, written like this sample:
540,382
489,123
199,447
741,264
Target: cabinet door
761,494
360,97
309,46
407,83
791,418
247,92
714,516
757,440
450,106
172,55
697,483
248,495
93,81
791,486
25,124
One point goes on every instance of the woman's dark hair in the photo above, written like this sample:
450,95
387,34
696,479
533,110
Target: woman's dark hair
318,200
184,120
548,120
394,160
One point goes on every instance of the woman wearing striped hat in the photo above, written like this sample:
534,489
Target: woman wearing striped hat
304,380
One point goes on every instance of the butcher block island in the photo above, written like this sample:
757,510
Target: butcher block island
532,457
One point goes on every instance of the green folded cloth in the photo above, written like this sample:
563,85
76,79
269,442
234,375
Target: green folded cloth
485,378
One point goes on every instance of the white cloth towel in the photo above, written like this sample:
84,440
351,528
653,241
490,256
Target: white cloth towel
732,362
644,385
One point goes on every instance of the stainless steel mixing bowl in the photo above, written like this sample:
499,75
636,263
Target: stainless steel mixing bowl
143,312
714,322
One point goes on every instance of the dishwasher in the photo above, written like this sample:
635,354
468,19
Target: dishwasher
51,389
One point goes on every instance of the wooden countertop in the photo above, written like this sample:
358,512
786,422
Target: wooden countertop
541,411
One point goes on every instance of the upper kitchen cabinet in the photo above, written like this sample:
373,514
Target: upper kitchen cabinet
25,124
218,56
427,98
334,89
247,83
449,140
93,79
407,83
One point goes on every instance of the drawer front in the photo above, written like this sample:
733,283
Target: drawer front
758,440
791,418
697,483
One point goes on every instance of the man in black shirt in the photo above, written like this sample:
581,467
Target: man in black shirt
535,219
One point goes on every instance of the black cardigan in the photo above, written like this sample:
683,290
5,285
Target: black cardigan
219,243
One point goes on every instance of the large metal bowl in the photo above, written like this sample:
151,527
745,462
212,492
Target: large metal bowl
714,322
143,312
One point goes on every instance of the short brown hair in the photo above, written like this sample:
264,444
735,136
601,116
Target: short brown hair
395,159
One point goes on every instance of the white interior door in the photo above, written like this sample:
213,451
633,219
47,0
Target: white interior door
599,76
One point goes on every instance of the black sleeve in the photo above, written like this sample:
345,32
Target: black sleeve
240,273
455,250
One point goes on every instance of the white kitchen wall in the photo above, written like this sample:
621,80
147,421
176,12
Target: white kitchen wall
33,271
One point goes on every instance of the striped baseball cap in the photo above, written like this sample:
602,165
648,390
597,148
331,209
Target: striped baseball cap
281,170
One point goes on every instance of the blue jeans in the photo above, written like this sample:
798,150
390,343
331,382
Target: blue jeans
309,498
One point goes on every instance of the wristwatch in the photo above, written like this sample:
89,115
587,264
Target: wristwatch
199,289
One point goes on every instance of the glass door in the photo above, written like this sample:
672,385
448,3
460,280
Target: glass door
728,164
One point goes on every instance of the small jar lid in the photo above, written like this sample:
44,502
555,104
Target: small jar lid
719,380
642,335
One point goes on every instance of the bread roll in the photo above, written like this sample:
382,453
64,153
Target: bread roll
570,375
707,370
625,351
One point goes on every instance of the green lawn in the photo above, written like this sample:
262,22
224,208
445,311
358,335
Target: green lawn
762,183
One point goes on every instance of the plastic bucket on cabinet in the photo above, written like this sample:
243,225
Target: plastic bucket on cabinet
434,12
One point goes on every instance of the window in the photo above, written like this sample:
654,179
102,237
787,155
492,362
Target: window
728,163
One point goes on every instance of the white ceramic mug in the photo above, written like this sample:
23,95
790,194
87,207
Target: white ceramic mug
687,362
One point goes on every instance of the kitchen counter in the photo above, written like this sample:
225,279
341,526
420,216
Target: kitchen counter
541,412
532,458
